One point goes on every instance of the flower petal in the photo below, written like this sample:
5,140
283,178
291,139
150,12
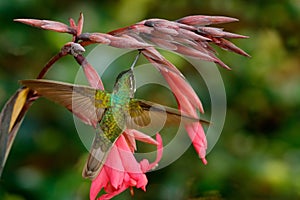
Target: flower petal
112,194
197,135
98,183
114,166
80,24
48,25
90,73
202,20
141,136
159,152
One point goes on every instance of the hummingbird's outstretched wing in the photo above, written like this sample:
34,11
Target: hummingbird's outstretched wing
86,103
145,113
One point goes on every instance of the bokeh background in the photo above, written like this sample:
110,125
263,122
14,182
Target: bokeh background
257,155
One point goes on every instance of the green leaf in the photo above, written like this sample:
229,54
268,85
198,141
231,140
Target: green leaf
11,118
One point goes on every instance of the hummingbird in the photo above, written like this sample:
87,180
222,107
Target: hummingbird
110,113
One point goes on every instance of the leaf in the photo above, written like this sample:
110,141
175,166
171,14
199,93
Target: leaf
11,118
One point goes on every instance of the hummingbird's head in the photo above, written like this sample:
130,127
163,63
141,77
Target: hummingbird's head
125,83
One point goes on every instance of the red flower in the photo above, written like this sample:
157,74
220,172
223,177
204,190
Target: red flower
121,170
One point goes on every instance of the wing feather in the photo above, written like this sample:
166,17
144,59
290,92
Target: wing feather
86,103
145,113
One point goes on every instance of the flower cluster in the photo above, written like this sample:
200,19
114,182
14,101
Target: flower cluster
190,36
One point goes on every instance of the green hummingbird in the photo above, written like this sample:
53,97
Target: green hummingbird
109,113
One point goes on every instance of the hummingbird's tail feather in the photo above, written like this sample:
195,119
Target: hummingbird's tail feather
100,149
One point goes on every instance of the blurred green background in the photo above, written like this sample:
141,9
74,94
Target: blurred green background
257,155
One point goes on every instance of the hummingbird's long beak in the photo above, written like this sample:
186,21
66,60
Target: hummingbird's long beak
135,60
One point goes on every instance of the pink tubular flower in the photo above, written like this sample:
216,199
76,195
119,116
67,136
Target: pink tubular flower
121,170
187,99
188,103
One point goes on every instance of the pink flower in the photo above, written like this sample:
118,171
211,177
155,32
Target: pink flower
121,170
187,99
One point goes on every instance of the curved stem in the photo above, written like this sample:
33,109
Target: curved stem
50,63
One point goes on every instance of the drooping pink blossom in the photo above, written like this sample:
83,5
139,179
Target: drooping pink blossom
187,99
121,170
